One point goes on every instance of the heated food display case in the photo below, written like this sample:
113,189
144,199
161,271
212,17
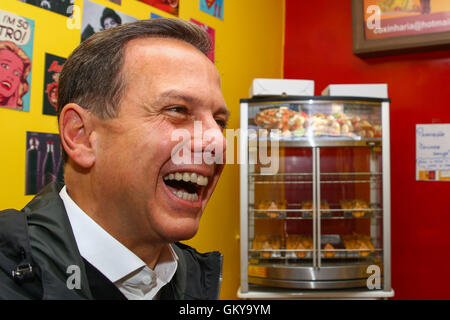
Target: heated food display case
315,197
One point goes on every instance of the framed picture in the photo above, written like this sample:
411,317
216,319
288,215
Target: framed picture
382,27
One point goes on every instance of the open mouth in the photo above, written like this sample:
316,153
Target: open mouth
187,186
6,84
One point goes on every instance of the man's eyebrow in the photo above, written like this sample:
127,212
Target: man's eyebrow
177,95
224,110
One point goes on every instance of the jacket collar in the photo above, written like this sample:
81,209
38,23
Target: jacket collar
52,241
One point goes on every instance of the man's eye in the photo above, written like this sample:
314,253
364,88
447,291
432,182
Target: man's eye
4,65
221,123
178,109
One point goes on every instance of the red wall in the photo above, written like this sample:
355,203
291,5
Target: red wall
318,46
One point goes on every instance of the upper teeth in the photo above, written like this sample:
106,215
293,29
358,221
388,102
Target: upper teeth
6,84
188,177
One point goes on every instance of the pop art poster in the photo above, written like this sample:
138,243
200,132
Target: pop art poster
97,17
211,33
63,7
53,67
212,7
16,51
154,16
169,6
43,161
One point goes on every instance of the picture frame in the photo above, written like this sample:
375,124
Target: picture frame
402,31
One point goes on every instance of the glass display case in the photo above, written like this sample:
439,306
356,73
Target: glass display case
315,194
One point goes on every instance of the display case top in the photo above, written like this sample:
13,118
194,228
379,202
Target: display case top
314,98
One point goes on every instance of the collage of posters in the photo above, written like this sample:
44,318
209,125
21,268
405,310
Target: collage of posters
16,53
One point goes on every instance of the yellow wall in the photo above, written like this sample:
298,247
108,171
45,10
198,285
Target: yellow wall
249,44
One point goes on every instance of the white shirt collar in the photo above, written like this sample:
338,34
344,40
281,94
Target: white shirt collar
108,255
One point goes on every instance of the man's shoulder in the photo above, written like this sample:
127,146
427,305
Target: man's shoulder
42,231
203,272
17,276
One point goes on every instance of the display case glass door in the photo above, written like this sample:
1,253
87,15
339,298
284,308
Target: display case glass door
349,229
281,224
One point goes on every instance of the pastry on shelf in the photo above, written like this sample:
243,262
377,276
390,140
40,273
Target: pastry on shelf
359,242
329,254
276,206
296,242
352,205
324,207
272,214
359,204
307,205
264,242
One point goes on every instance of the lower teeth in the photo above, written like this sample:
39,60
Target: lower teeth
186,196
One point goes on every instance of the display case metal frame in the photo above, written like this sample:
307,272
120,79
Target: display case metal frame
317,277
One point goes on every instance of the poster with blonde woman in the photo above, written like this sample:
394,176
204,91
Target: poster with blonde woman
16,49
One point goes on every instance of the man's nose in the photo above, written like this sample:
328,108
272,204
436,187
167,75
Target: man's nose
208,136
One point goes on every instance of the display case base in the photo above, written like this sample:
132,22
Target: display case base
260,293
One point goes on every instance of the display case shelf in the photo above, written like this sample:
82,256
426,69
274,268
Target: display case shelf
289,254
325,217
319,142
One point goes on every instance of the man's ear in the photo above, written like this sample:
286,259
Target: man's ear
76,128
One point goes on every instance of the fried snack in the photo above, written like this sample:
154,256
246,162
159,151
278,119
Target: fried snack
307,205
359,204
262,242
272,205
324,207
329,254
355,204
297,242
359,242
272,214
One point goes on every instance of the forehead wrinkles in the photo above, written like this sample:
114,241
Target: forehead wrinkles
162,59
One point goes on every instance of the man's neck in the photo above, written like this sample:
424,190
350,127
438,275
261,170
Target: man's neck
148,250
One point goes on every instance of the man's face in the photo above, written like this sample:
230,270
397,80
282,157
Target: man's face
11,69
109,23
169,85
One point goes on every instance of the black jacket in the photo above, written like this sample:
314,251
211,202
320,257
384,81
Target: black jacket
37,247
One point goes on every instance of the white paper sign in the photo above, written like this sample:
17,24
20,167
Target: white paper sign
433,152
